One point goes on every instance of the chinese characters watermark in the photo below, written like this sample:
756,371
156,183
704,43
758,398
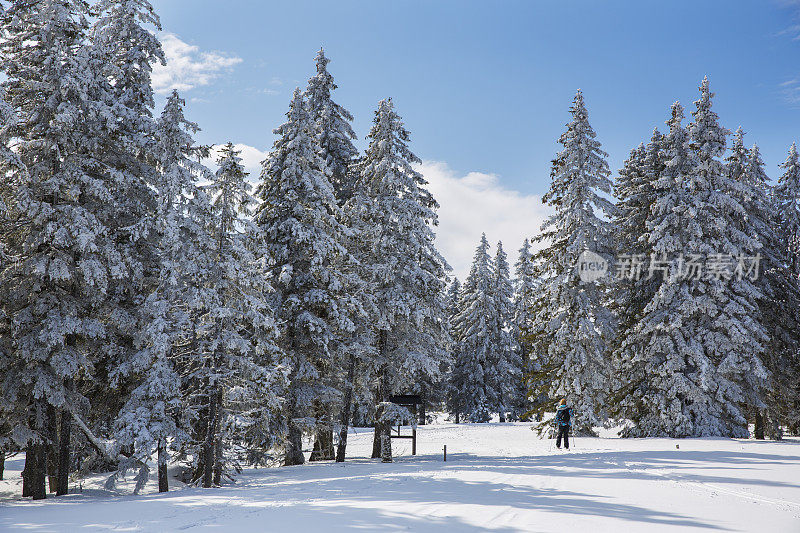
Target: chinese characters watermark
591,267
726,267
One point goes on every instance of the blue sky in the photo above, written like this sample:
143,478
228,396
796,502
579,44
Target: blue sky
484,87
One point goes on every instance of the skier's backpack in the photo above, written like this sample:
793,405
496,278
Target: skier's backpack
562,416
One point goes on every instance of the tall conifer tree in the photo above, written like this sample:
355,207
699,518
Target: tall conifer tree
396,216
304,240
572,326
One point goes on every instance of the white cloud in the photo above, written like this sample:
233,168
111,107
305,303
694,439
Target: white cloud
791,91
475,203
187,66
469,205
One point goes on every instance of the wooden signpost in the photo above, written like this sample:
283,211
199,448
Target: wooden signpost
410,402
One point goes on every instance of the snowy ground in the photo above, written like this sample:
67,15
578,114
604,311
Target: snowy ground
497,477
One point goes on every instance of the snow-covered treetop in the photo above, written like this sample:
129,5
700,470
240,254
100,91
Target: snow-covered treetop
787,197
129,50
707,137
503,289
788,188
301,222
230,191
332,124
711,185
293,172
177,154
479,275
579,173
453,298
755,170
400,213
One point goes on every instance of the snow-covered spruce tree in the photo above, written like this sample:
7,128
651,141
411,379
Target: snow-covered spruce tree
633,362
508,361
525,287
630,214
156,414
232,369
69,259
303,234
738,337
787,197
453,302
692,360
475,376
10,168
635,190
129,50
407,274
333,129
123,50
779,288
351,371
335,136
572,326
452,309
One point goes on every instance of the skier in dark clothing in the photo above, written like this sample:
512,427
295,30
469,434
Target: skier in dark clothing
563,422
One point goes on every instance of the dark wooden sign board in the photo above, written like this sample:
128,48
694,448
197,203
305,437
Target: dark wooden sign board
410,402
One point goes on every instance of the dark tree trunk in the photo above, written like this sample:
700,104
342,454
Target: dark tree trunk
323,436
376,441
294,444
773,427
26,472
163,479
2,464
759,429
52,449
211,438
126,450
36,456
383,430
381,393
218,461
62,485
457,418
38,475
323,445
294,451
346,406
218,441
200,434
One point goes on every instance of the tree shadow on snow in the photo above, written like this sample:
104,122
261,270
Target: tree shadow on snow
362,496
415,493
633,465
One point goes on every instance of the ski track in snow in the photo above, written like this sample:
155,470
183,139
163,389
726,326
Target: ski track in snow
498,477
677,478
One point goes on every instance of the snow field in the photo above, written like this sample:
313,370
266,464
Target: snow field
498,477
